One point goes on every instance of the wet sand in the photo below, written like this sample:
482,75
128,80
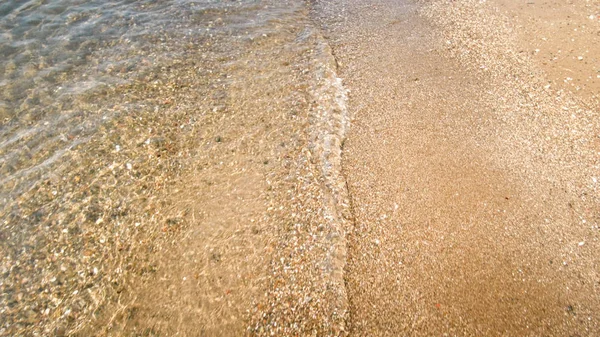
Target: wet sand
473,182
218,201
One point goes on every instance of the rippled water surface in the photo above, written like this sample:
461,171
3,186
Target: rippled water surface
55,54
110,110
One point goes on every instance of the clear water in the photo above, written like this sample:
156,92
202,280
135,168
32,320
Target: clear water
55,54
88,91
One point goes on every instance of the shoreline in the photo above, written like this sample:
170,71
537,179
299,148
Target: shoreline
338,168
207,198
469,176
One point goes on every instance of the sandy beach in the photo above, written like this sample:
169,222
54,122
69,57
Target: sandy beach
302,168
472,165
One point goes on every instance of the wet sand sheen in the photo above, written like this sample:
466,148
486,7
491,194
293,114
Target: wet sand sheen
212,201
461,227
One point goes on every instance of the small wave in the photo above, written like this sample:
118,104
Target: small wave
329,124
310,274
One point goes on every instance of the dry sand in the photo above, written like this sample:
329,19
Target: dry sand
472,166
473,181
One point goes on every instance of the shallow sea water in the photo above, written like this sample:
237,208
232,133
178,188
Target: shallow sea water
55,54
109,109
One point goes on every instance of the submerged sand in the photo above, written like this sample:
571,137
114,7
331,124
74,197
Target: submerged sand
464,202
207,198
